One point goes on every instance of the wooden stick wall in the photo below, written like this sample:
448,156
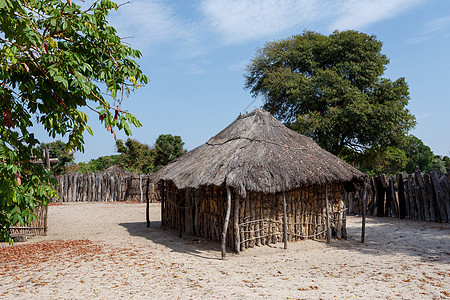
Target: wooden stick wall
103,187
418,196
256,219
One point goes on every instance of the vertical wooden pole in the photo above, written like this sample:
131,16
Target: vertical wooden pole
45,219
47,166
284,221
148,202
328,215
445,189
401,196
180,213
140,188
225,224
340,219
47,159
237,237
163,201
439,197
363,225
395,210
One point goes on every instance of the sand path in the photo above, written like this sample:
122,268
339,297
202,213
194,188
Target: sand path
105,251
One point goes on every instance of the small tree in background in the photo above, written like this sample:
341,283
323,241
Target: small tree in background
99,164
58,149
135,156
440,164
167,148
418,154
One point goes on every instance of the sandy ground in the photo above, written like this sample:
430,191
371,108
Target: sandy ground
105,251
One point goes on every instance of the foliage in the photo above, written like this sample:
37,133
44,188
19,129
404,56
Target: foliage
96,165
58,150
54,60
376,161
167,148
330,88
135,157
418,154
440,164
390,160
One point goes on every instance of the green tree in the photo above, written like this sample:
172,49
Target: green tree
135,157
376,161
167,148
330,88
418,154
55,59
439,164
58,150
95,165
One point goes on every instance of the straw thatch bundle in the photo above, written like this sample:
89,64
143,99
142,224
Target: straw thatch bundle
258,153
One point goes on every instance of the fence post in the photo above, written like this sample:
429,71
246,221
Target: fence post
363,213
148,202
140,188
285,235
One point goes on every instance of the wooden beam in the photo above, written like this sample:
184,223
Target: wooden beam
225,224
285,220
328,215
439,197
426,200
140,188
365,198
395,210
47,159
147,211
237,236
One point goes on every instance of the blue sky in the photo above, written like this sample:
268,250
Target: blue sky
195,52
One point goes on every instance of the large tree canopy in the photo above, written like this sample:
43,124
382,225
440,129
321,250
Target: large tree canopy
55,58
330,88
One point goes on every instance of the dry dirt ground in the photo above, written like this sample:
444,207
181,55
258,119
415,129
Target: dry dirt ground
105,251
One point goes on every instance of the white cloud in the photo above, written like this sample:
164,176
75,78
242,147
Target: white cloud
431,29
243,20
177,29
153,24
239,21
356,14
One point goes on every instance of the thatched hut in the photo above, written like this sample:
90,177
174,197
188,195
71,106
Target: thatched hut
118,171
256,182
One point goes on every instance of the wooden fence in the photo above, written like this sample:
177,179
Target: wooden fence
37,227
418,196
103,187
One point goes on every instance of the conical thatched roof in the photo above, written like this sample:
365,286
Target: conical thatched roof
258,153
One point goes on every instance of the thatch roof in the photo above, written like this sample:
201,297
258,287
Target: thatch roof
118,171
258,153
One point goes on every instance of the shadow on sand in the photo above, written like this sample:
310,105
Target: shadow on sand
169,238
387,236
384,236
